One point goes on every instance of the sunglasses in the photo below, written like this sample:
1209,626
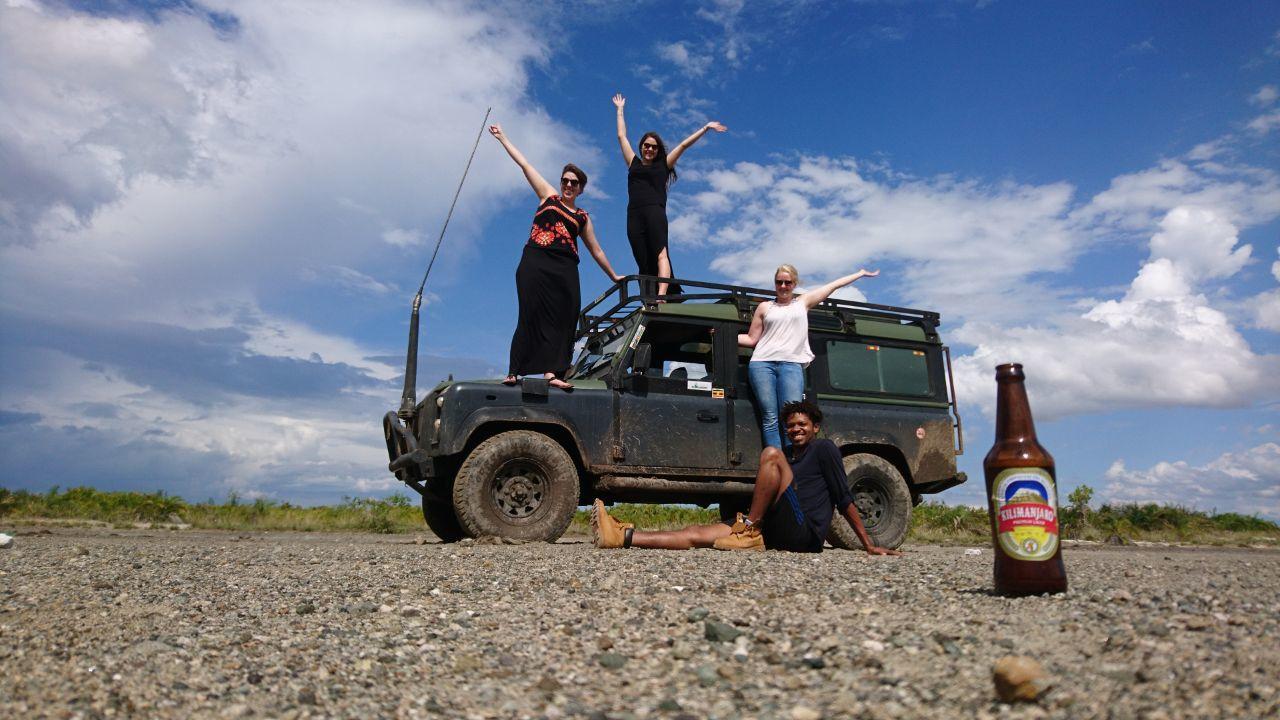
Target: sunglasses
648,146
785,283
571,182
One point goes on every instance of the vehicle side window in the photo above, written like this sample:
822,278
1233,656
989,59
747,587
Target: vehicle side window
862,367
680,352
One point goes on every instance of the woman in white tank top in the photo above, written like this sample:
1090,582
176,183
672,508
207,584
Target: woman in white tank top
779,333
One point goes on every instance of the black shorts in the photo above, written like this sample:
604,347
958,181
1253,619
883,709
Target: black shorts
784,526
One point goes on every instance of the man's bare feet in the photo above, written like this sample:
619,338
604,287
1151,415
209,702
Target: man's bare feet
511,380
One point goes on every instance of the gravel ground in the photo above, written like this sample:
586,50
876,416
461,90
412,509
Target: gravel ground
97,623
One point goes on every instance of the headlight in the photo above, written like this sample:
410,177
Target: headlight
436,425
439,401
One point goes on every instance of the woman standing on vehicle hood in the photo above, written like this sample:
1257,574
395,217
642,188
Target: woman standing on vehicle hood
779,333
649,174
547,277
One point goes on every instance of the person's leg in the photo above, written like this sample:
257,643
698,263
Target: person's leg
664,271
764,383
607,532
772,479
638,236
789,388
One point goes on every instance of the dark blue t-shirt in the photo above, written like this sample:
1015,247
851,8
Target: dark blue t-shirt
819,480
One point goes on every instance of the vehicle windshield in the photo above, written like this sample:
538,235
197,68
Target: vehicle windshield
595,359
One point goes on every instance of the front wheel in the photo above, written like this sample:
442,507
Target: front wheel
882,499
437,510
518,484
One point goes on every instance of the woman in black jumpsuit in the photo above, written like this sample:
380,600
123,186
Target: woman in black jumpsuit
648,176
547,277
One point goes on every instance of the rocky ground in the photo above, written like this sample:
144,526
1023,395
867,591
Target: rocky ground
99,623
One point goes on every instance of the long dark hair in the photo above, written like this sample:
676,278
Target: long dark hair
662,153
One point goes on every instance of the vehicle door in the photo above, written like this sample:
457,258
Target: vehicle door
674,416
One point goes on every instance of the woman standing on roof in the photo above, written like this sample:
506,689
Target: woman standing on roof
547,277
779,333
649,174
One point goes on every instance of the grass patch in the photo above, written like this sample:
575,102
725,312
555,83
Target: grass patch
931,523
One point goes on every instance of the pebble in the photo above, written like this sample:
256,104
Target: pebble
1019,678
610,660
720,632
204,625
6,541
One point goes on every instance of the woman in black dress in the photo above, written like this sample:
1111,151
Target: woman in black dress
547,277
649,174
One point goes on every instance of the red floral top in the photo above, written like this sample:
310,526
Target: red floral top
556,226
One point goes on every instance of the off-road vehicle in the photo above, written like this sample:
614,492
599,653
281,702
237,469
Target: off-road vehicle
661,412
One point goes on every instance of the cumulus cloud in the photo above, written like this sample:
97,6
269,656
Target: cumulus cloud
1246,482
1265,306
165,176
688,61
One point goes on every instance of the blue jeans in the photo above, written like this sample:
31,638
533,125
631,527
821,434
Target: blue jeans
775,383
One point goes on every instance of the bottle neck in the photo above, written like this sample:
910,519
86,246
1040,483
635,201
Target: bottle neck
1013,412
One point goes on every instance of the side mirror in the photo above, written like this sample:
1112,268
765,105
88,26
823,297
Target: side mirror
640,358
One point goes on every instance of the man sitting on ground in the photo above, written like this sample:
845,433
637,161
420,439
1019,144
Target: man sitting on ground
791,506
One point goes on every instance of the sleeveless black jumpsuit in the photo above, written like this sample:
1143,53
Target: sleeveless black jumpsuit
647,218
548,291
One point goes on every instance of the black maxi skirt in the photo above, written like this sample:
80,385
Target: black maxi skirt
549,296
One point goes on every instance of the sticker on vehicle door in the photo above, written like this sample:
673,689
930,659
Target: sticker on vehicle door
699,385
717,393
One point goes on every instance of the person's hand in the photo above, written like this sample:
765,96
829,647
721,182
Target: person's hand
619,101
496,131
718,127
868,273
877,550
615,277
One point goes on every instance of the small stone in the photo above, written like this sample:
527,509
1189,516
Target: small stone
384,608
548,684
306,696
1122,596
720,632
669,705
82,550
741,648
804,712
813,661
306,607
873,645
254,677
681,651
707,676
101,584
467,663
612,661
604,642
697,614
728,672
410,611
1019,679
1199,622
6,541
237,710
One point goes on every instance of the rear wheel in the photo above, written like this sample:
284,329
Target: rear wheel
518,484
882,499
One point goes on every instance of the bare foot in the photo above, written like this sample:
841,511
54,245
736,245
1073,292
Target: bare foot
557,382
511,380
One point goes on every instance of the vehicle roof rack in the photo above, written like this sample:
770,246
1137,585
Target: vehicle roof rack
619,302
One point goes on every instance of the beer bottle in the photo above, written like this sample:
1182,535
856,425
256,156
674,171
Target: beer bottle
1022,496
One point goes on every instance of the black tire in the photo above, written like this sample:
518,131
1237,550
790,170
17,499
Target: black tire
883,501
437,510
518,484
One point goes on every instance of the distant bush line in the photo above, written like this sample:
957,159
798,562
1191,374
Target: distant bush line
931,522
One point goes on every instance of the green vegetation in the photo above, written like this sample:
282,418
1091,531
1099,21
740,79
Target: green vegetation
931,522
392,515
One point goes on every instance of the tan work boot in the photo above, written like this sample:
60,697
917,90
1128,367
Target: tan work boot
741,537
607,532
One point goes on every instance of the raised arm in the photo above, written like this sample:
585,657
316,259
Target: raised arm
536,181
814,297
597,252
752,336
685,144
628,154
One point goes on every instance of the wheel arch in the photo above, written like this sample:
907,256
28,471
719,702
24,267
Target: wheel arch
889,453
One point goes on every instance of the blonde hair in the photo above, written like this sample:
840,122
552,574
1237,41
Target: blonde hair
789,269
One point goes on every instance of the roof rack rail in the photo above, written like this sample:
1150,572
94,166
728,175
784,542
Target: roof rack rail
744,298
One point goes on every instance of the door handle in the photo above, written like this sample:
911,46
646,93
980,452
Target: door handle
705,416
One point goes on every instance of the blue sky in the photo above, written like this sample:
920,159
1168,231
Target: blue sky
212,216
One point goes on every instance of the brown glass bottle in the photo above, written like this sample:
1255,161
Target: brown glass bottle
1022,496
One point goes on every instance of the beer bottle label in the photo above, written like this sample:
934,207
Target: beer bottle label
1026,513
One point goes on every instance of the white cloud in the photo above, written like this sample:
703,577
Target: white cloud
1246,482
169,177
1265,306
1265,123
690,62
1266,95
1199,241
1136,201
